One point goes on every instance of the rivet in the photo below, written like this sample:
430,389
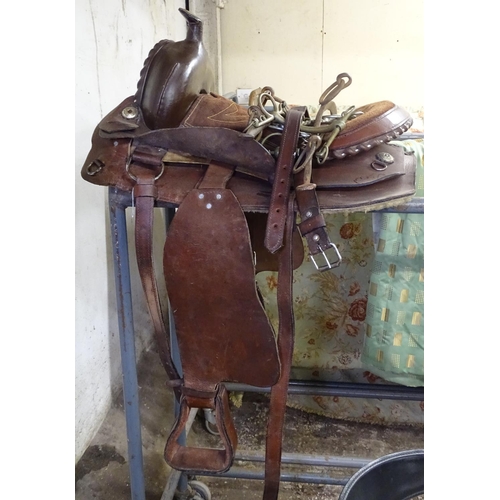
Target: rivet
115,143
385,157
201,196
308,214
219,196
316,237
129,112
209,206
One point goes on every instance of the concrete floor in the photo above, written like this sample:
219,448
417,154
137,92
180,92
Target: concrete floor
102,473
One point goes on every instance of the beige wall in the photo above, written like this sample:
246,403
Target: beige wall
299,47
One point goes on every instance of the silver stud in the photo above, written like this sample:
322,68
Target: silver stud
316,237
308,214
209,206
201,196
219,196
385,157
129,112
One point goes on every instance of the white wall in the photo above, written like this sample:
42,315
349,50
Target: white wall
113,38
299,47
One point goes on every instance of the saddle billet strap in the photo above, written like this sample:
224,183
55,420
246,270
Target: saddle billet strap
283,180
313,226
279,392
145,194
216,176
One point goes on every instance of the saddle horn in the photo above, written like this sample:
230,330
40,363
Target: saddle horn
173,76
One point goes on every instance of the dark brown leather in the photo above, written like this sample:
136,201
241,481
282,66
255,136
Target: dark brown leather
176,142
279,392
173,76
193,459
283,182
265,260
209,238
342,185
221,145
210,143
312,226
145,167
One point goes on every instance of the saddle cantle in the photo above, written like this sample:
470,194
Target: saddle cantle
172,77
239,178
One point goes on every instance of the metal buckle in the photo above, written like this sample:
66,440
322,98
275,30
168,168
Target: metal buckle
328,265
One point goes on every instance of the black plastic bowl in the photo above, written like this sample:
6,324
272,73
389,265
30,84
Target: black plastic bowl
399,476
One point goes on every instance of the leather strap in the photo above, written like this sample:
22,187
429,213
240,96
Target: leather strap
312,226
145,194
279,392
216,176
283,180
279,232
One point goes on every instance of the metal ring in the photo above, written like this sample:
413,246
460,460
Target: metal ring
380,163
97,163
134,178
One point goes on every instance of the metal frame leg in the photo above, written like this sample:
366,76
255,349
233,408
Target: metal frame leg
127,347
178,481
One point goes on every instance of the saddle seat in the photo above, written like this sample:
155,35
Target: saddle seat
189,151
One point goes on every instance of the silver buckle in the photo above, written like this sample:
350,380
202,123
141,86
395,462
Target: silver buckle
328,265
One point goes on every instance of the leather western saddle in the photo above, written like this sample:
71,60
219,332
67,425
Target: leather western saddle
238,177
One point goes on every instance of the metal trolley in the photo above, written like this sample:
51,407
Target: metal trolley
179,485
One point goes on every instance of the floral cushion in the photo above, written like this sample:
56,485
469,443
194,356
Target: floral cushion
343,330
